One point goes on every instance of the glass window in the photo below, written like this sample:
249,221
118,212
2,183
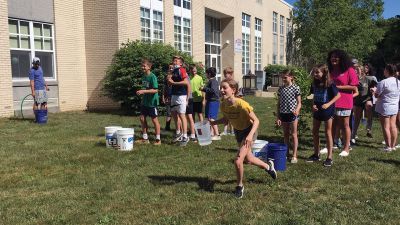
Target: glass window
287,26
212,30
157,26
186,4
258,24
145,24
274,22
275,49
177,33
30,39
245,53
245,20
257,53
187,36
281,49
20,63
177,2
282,25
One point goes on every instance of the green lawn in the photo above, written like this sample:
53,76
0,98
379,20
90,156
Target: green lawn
61,173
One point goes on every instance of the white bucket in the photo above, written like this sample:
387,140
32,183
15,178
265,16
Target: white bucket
125,139
258,147
111,136
203,132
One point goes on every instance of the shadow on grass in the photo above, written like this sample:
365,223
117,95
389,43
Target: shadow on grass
32,120
388,161
204,183
227,149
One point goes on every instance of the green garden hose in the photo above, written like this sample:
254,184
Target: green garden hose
22,102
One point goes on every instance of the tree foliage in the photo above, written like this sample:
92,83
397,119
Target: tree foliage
388,50
124,75
321,25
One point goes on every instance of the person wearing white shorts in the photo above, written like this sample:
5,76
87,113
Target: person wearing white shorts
178,103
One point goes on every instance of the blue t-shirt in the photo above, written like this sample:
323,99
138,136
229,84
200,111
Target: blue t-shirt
37,76
322,96
179,74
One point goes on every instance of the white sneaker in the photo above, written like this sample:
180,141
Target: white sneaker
353,141
384,142
397,147
344,154
323,151
293,160
216,138
224,133
387,149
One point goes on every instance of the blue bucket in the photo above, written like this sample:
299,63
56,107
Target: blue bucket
277,153
41,116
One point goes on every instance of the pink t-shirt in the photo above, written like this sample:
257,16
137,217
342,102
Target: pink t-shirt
349,77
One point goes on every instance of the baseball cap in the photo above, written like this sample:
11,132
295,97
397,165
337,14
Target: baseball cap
35,60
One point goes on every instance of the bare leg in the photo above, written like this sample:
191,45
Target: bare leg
329,139
143,122
191,122
385,123
293,128
369,114
357,118
315,131
393,131
157,128
286,135
346,132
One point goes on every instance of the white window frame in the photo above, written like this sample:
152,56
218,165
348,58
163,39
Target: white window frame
258,24
274,22
282,25
281,49
275,48
179,34
288,28
152,20
257,53
245,53
246,20
144,38
33,49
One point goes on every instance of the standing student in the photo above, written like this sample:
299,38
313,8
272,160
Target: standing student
166,98
345,78
362,102
196,83
149,102
241,115
369,104
38,85
288,108
179,99
387,105
228,74
325,96
189,110
212,101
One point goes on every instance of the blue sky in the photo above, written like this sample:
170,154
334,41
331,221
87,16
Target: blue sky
392,7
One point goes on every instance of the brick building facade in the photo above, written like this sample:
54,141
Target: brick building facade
76,41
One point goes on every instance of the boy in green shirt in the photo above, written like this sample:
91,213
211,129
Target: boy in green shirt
149,102
196,82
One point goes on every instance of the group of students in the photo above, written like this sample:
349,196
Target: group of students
340,88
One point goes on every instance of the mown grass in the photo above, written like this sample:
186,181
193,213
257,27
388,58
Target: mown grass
61,173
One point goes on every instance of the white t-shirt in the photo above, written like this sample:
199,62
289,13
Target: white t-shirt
388,97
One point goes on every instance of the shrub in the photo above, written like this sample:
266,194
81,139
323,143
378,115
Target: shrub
123,77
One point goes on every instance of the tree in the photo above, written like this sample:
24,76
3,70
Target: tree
124,76
320,26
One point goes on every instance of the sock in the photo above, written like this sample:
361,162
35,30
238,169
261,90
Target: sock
158,137
185,135
192,136
177,131
145,136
